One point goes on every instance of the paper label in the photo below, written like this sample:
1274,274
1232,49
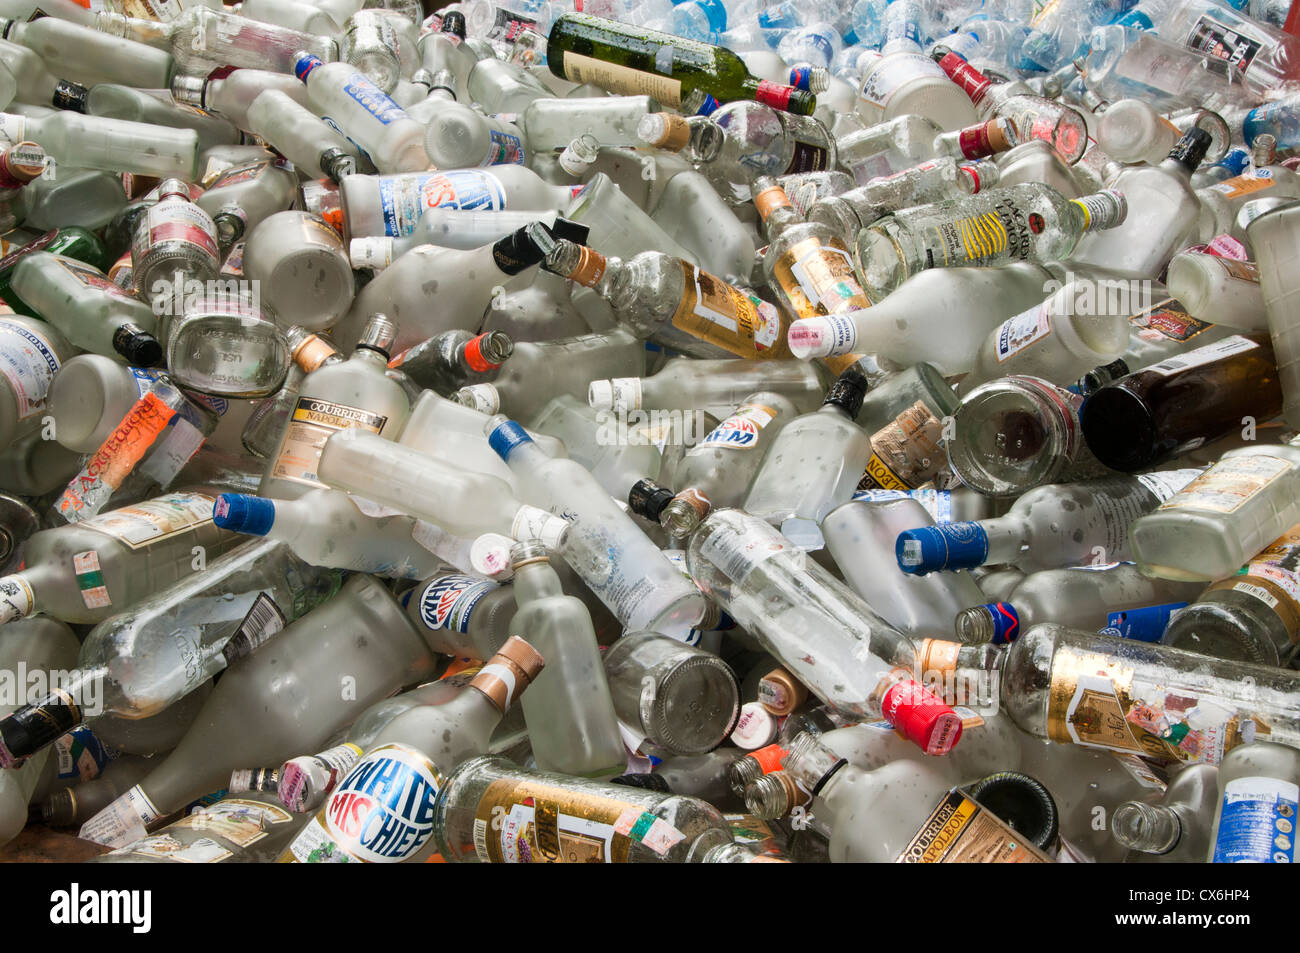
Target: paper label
1223,42
180,441
204,850
1165,483
532,822
906,452
1247,184
1002,233
94,278
1257,822
1167,321
892,73
263,620
448,602
404,198
740,431
1229,483
104,472
1015,334
16,600
150,521
938,503
960,831
738,553
714,311
817,275
28,363
622,80
123,821
90,580
381,812
176,221
1236,344
80,754
361,89
312,422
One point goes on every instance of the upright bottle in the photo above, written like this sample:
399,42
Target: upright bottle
175,242
352,393
571,719
813,465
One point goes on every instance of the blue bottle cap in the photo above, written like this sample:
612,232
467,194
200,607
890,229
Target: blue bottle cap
506,437
254,515
305,64
1006,622
928,549
709,106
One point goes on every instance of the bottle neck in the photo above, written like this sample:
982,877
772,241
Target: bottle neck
534,581
1007,537
1147,828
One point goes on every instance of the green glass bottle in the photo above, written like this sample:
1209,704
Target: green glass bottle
680,73
71,241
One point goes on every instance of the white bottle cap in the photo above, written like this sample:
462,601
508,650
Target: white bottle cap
482,397
627,393
811,337
533,523
490,555
755,728
371,252
600,395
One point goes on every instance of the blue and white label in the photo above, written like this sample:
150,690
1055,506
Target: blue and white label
382,812
449,601
1146,624
740,431
144,378
405,197
1257,822
373,99
938,503
81,755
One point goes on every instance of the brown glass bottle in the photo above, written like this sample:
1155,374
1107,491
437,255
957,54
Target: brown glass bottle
1193,398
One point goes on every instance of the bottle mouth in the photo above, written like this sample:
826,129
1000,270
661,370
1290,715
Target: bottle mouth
528,551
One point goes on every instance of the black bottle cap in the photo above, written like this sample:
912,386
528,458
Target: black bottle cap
570,231
1022,803
648,499
453,21
69,95
139,347
648,782
518,250
1191,149
939,52
848,391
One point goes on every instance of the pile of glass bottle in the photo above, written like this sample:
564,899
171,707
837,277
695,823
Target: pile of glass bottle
723,431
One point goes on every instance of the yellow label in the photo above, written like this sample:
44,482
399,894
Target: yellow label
310,426
904,453
817,276
623,80
1243,185
714,311
959,831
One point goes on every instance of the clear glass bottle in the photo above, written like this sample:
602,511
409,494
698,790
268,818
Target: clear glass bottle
1253,615
640,586
674,303
231,95
1083,688
462,501
175,243
1164,211
252,716
78,52
861,535
1216,523
1113,597
741,142
1048,527
813,465
370,43
265,425
139,661
240,197
682,698
458,136
351,393
32,352
572,722
1029,222
303,138
824,634
551,124
1177,829
715,387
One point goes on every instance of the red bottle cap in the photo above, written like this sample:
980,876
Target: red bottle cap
773,94
474,355
922,717
770,757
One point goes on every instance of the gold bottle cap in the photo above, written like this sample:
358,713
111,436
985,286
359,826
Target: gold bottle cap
590,268
509,672
780,692
937,655
665,131
770,199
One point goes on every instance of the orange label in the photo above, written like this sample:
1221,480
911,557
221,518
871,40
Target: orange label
714,311
116,457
